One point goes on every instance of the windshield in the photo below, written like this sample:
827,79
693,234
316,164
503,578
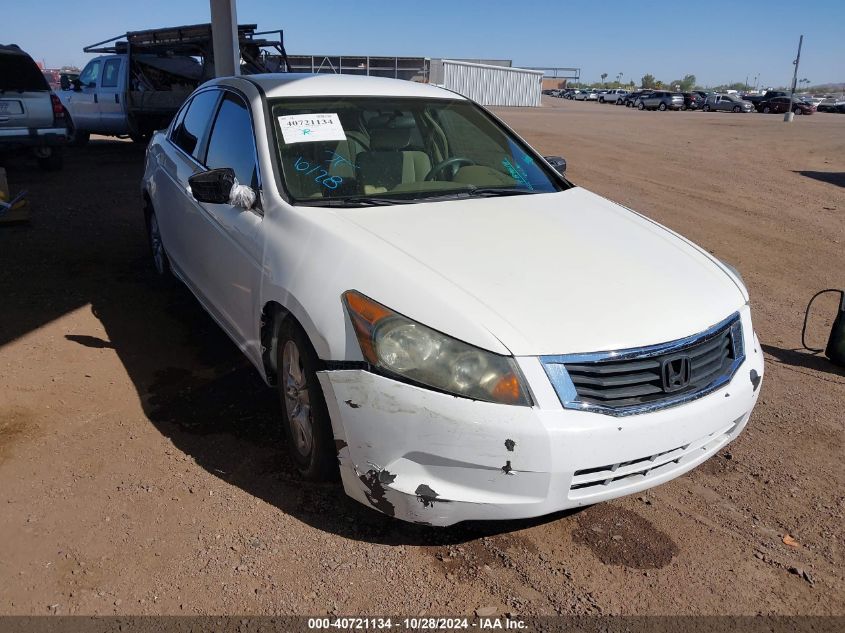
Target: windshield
361,150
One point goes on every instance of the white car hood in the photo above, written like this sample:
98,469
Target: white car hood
558,273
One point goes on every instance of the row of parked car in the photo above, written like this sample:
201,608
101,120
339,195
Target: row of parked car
771,102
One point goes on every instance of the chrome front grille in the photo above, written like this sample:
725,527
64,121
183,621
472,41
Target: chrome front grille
645,379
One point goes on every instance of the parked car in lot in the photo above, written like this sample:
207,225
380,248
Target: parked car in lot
727,103
630,99
580,95
832,105
693,100
31,116
660,100
779,105
388,255
757,99
612,96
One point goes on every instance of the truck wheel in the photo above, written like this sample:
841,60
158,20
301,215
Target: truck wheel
706,108
662,107
76,138
305,416
50,158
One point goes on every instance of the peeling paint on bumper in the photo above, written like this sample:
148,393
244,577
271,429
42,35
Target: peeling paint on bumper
432,458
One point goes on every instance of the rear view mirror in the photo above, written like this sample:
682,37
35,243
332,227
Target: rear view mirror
213,186
558,163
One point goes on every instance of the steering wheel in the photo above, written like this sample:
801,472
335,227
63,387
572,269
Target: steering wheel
455,162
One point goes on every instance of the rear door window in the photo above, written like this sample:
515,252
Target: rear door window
111,72
189,132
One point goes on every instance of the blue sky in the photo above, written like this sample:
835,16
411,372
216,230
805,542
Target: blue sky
717,41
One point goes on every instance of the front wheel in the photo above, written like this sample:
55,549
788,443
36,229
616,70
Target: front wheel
305,416
737,109
798,111
640,106
766,110
662,107
706,108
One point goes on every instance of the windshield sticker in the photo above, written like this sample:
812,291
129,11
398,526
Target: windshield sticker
321,176
517,172
311,128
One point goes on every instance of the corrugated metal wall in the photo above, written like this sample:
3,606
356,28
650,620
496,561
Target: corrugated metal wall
493,85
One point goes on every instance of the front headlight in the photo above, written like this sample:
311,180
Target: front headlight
411,350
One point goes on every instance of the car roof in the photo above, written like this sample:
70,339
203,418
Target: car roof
333,85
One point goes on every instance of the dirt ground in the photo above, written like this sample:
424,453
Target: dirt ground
142,469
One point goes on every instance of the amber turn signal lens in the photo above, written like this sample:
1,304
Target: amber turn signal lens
365,315
507,390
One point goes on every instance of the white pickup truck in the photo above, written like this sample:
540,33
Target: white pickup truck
144,77
612,96
108,99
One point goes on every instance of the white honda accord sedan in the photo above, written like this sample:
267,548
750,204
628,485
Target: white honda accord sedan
449,321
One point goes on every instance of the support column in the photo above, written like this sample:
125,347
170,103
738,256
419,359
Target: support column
224,34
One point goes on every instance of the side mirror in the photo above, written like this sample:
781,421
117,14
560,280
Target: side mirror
217,186
213,186
64,82
75,85
558,163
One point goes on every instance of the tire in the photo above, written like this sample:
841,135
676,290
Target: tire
640,106
683,107
766,110
797,111
52,161
161,263
75,138
305,416
706,108
662,107
737,109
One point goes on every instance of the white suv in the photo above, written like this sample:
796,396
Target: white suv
612,96
31,116
449,321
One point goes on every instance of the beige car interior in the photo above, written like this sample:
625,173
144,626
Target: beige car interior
387,153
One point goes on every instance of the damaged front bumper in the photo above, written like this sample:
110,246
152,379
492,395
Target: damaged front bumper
437,459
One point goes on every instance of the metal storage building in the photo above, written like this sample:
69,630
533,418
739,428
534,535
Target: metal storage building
493,85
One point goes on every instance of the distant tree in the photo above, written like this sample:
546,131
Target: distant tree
658,84
647,81
687,83
603,77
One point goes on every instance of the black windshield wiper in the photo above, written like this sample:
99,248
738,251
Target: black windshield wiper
499,191
364,201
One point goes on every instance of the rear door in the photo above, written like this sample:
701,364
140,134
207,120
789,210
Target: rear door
24,93
110,96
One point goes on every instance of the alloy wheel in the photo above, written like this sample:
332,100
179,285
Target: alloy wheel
297,399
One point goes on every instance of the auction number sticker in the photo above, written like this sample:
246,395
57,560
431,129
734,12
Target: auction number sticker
311,128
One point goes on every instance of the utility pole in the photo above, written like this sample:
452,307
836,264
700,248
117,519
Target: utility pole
789,114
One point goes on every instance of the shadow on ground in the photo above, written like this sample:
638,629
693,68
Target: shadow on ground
86,245
803,358
833,177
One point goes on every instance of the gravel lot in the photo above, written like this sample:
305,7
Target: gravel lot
141,468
